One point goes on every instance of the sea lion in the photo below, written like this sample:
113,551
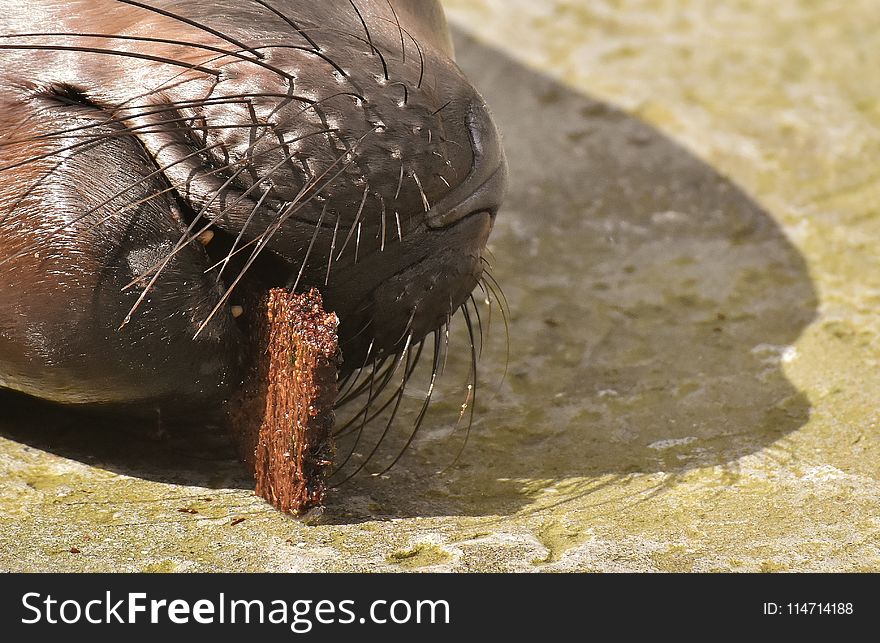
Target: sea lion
163,162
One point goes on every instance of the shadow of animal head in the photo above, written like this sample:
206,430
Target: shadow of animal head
653,307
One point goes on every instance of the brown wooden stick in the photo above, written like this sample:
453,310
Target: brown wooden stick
283,416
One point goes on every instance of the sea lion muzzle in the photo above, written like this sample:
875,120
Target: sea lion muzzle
162,162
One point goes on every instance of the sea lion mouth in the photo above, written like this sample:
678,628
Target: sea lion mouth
469,200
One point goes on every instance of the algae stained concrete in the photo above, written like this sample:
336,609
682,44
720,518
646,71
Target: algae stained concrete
690,258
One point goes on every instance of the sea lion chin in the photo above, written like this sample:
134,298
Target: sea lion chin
163,163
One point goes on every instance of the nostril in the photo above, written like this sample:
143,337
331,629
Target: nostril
486,183
485,139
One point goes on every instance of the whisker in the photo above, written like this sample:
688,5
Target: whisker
405,101
399,182
357,219
425,202
97,138
360,432
408,326
374,48
48,234
311,245
290,22
397,20
124,54
497,289
235,249
382,243
332,249
411,363
425,405
418,48
192,23
444,106
369,40
182,242
471,398
479,322
364,25
350,380
380,370
487,299
397,397
166,41
446,342
283,216
410,369
112,120
186,237
309,186
160,265
386,377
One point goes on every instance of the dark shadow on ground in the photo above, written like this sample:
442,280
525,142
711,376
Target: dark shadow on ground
651,301
191,453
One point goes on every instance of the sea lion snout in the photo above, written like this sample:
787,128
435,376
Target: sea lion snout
162,163
366,152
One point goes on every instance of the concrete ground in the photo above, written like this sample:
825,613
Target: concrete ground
690,254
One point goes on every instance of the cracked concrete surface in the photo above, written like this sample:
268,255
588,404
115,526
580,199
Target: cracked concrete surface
689,252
